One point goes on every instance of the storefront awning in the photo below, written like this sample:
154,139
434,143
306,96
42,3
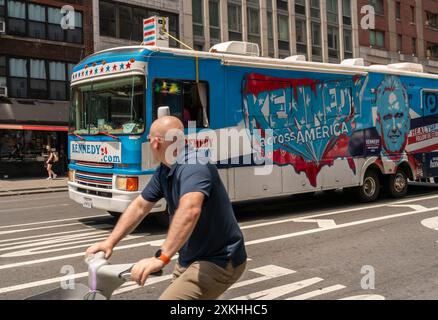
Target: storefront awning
34,113
33,127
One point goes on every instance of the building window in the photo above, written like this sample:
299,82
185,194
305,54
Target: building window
315,9
234,22
414,46
346,12
283,32
58,82
17,18
333,41
37,21
399,43
2,8
282,5
301,34
412,14
397,10
431,19
432,51
75,35
253,22
2,71
38,83
107,18
213,9
377,38
316,41
138,14
254,25
198,27
332,11
18,78
378,6
126,22
270,35
300,7
38,79
122,21
55,31
348,44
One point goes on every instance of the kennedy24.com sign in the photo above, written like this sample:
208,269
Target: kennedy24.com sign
96,151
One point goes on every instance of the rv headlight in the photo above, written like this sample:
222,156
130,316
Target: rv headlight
71,175
127,183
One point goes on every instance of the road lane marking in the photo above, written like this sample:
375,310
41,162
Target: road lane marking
41,228
32,199
412,206
276,292
33,208
51,221
52,240
20,240
42,282
40,250
133,286
322,223
268,272
316,293
431,223
365,297
262,240
336,212
72,255
339,226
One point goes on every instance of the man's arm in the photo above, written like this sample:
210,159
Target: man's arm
130,219
183,223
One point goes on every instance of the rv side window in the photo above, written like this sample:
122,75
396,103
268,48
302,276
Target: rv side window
187,100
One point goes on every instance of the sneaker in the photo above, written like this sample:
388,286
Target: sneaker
49,178
54,176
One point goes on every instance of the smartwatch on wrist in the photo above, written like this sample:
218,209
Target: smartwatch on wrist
161,256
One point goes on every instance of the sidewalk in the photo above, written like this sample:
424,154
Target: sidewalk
12,187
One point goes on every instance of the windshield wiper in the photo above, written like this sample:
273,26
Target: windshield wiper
106,134
76,135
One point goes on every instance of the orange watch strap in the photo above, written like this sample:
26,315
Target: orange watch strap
164,258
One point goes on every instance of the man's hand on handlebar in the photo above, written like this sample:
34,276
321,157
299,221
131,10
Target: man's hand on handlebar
142,269
104,246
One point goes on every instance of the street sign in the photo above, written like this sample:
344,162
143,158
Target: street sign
153,34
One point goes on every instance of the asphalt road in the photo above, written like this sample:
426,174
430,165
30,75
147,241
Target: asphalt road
301,247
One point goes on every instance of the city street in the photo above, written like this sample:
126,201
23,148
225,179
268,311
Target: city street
303,247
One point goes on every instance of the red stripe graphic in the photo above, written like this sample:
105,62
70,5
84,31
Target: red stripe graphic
148,33
148,21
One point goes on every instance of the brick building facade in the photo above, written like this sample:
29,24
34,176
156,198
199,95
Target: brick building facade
405,31
38,50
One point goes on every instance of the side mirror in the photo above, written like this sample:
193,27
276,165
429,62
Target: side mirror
163,111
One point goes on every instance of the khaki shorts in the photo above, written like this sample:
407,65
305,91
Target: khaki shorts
202,280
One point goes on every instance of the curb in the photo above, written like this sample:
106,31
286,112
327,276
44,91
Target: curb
32,191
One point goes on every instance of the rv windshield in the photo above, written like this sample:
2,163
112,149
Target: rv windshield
113,106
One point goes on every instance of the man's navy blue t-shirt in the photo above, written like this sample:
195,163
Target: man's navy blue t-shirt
217,237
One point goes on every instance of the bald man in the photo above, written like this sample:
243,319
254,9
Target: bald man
203,228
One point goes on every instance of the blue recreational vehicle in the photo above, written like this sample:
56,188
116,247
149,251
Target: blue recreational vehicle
327,126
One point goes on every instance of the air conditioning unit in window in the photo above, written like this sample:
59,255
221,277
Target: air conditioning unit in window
3,92
2,27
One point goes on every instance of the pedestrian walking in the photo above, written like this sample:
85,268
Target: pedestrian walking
52,158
